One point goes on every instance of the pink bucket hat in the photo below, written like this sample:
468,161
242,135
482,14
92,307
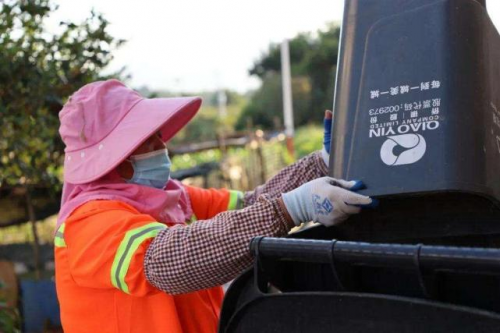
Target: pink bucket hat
105,121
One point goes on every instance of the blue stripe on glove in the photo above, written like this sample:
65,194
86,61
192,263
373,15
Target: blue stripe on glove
359,185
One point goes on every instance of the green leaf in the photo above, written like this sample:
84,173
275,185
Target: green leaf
40,70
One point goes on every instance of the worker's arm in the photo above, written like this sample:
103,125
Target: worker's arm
304,170
209,253
206,203
113,245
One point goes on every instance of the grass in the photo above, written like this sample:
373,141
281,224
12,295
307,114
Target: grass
308,139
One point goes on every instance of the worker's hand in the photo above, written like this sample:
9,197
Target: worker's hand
326,200
327,124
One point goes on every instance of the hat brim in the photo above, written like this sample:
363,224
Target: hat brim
167,115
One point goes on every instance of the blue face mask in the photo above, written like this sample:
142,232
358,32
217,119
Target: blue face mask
151,169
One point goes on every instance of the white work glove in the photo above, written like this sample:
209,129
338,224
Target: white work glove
327,136
326,200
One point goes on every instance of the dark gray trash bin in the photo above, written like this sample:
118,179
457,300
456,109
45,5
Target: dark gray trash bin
417,117
417,106
335,286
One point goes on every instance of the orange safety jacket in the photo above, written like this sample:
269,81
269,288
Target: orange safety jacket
100,279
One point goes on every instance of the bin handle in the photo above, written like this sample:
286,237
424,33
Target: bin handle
418,269
336,276
258,269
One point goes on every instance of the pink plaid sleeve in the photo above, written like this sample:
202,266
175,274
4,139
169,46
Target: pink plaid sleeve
304,170
209,253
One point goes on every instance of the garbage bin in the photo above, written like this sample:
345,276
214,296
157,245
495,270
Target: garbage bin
417,101
39,305
335,286
417,118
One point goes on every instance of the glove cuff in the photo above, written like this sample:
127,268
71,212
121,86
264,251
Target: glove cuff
292,206
325,156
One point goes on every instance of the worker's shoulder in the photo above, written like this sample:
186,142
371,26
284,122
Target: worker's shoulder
102,206
104,217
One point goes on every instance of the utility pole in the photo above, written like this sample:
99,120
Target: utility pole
222,103
286,79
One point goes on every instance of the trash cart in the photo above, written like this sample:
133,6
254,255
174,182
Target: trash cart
417,118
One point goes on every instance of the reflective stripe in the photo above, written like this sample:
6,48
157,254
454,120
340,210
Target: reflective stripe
59,237
131,241
235,200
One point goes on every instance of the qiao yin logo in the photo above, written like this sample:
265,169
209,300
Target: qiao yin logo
403,149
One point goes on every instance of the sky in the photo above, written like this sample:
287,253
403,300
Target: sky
196,45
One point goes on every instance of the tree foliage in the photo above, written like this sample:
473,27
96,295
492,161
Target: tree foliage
38,71
265,109
209,123
313,59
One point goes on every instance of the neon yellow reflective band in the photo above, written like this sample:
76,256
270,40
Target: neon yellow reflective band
59,237
131,241
235,200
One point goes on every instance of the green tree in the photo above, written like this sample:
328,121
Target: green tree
313,60
208,123
38,71
270,61
266,107
321,69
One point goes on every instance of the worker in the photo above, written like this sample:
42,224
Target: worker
126,260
